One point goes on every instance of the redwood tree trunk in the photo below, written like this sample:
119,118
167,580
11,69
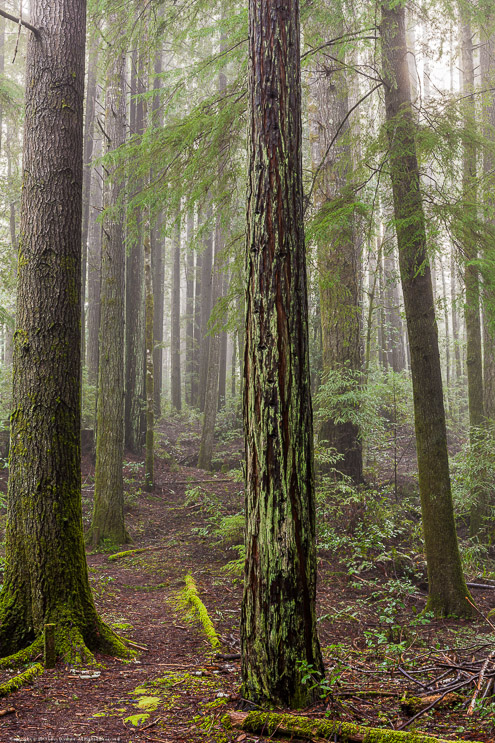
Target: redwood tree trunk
278,622
447,588
46,578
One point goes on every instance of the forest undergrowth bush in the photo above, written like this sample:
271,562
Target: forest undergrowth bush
368,528
380,404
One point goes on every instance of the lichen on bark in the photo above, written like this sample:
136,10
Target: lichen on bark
278,623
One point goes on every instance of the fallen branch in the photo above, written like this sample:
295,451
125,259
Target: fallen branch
271,724
7,711
479,684
412,705
8,687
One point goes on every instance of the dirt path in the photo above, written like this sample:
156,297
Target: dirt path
178,689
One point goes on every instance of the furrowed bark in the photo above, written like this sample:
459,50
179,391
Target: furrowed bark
46,577
278,623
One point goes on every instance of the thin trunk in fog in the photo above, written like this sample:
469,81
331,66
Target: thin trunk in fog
175,370
189,308
108,509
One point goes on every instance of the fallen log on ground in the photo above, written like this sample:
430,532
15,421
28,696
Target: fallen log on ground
307,728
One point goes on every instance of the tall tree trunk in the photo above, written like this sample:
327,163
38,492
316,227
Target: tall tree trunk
487,80
222,371
175,375
233,366
446,584
455,318
46,577
338,254
278,620
94,268
89,125
189,308
206,287
211,391
108,510
8,330
197,330
471,281
149,460
157,259
2,70
134,326
445,303
396,351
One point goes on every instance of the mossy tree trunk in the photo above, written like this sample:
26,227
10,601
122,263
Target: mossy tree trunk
108,510
447,587
46,577
278,622
338,250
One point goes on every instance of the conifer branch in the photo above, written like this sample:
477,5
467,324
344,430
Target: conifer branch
21,21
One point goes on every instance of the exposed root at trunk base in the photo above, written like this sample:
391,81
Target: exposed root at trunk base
71,647
23,678
271,724
26,655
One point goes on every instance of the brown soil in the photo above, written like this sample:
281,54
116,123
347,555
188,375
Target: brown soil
179,686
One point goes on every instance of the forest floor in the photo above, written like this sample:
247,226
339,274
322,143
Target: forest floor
377,646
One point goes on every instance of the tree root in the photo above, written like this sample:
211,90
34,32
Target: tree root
23,678
71,646
189,597
19,659
271,724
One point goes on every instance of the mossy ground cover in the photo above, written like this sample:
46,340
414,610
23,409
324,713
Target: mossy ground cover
176,690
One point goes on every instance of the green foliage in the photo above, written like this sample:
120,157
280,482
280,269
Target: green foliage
230,529
323,684
473,469
381,407
367,528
